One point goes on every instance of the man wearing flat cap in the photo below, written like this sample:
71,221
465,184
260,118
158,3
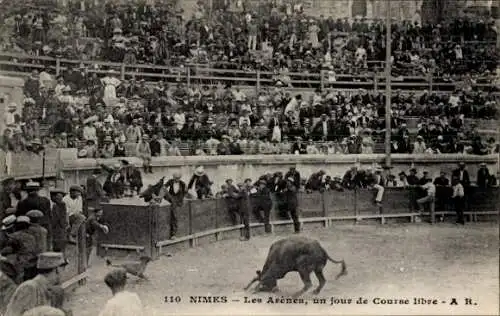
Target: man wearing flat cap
35,202
37,291
74,207
21,245
37,231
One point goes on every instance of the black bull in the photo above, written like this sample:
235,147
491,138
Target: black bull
295,253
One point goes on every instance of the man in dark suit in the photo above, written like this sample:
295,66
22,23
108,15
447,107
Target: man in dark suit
443,191
299,147
295,175
200,183
174,191
262,202
35,202
483,176
323,129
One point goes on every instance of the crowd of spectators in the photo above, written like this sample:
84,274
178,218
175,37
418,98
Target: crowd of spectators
270,38
109,117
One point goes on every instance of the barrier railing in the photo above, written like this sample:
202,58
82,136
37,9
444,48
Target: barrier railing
75,273
146,229
20,65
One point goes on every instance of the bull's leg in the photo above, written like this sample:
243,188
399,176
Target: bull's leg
305,275
321,279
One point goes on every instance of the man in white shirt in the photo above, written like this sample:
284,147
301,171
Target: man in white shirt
458,199
74,208
429,199
123,303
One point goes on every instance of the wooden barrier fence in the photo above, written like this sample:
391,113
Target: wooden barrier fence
144,229
22,64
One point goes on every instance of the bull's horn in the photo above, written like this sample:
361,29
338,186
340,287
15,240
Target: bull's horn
251,282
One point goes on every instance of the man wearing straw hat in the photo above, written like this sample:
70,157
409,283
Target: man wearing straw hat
37,291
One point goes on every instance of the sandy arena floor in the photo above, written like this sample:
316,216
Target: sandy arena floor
388,262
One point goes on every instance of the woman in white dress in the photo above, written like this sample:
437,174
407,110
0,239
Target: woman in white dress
110,83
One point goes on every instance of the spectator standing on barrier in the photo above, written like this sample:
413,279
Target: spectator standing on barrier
95,192
378,186
123,303
262,203
59,221
174,192
144,152
429,199
458,200
293,173
74,208
93,225
37,291
199,185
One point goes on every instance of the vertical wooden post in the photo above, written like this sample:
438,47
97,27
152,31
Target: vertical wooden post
153,216
375,83
58,66
188,79
190,219
323,205
122,71
356,204
82,252
322,79
257,84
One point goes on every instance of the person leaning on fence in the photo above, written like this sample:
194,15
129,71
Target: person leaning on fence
74,207
174,192
458,199
261,198
93,225
429,199
37,292
144,152
199,185
378,186
291,203
232,197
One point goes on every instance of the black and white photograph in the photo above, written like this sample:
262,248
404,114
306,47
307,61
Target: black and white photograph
249,157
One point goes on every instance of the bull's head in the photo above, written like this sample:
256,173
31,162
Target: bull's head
263,285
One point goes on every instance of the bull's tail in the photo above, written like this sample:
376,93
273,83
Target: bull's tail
257,278
343,270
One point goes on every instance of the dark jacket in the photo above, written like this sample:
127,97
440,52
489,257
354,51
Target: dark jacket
94,192
483,177
35,203
175,197
465,178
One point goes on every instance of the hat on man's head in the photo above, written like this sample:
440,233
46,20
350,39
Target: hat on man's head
32,185
482,164
413,170
75,188
34,214
50,260
8,222
23,219
117,277
176,175
44,310
56,190
199,171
